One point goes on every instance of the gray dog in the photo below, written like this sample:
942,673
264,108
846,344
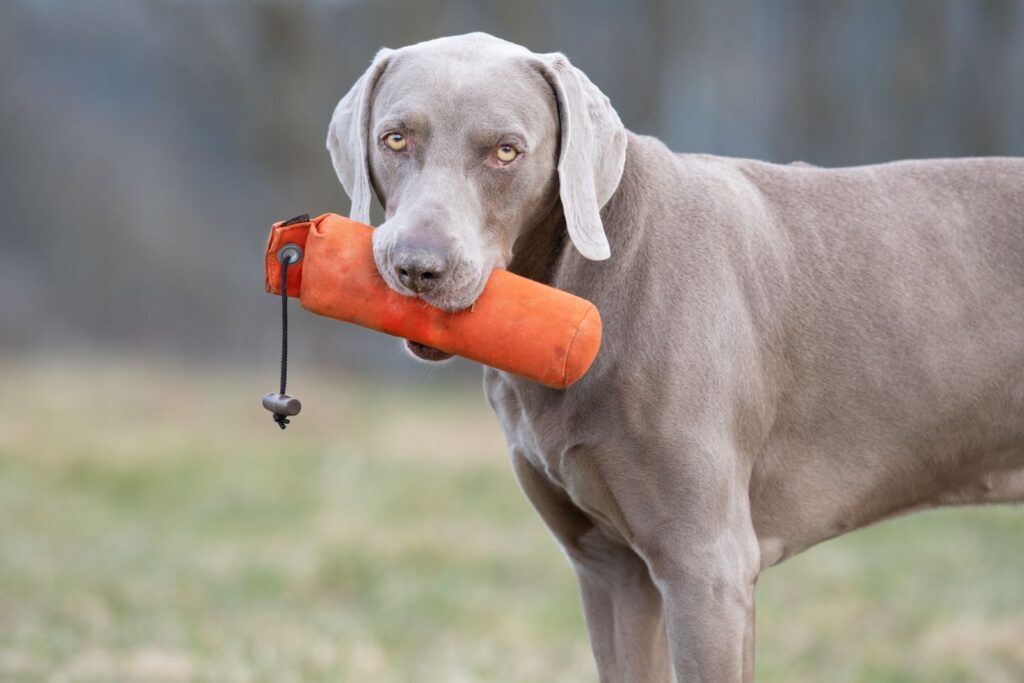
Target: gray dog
789,352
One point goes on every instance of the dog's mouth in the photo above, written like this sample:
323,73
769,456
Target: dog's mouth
427,353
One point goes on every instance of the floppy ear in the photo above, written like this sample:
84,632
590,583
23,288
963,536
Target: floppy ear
592,153
347,136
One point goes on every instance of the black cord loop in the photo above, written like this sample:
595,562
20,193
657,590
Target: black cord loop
281,404
280,418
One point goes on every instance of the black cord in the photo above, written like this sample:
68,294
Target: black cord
279,418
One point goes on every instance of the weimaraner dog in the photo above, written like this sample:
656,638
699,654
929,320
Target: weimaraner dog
789,352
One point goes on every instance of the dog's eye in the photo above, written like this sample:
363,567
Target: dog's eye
507,153
395,141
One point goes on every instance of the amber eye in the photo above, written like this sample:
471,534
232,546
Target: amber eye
507,153
395,141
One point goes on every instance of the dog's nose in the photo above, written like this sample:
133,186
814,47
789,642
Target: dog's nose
420,270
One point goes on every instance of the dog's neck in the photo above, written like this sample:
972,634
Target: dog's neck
536,252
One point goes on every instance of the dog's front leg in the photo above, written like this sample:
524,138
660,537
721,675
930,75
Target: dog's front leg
623,611
705,567
709,611
621,604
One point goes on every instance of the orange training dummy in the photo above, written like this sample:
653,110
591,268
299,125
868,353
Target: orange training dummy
517,325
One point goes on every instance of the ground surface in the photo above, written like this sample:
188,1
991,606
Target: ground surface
383,538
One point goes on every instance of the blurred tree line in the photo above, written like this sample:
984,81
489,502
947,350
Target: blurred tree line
146,146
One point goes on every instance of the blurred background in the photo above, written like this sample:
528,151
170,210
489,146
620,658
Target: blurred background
154,525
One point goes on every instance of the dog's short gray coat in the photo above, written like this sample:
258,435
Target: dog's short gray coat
789,352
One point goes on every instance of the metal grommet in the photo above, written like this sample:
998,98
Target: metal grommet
291,251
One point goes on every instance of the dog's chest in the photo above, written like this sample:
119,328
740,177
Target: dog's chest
544,430
533,420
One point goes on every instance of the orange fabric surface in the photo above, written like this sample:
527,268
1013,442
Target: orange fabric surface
517,325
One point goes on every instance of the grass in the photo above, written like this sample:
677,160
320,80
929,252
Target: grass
156,526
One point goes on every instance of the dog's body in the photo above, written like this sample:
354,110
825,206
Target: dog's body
789,353
817,350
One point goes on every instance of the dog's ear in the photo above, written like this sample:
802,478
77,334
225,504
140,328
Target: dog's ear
592,153
347,138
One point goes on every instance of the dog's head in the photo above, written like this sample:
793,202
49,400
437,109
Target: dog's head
468,143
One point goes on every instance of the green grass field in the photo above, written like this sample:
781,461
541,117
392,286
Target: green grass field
156,526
